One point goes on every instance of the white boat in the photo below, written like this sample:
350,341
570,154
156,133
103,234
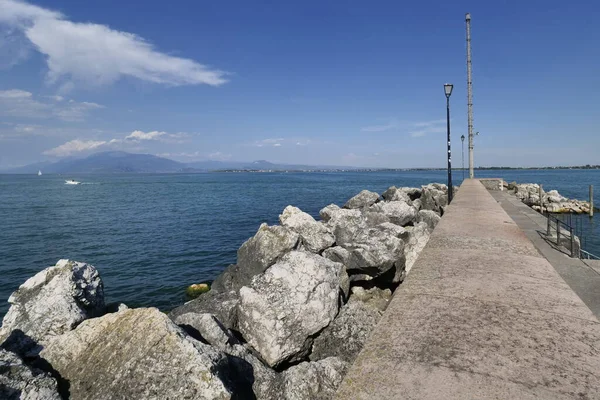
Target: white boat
39,172
72,182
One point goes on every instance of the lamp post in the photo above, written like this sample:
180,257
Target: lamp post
448,91
462,139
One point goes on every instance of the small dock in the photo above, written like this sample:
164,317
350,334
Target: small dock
482,315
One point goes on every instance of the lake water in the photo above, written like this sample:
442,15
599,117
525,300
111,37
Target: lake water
152,235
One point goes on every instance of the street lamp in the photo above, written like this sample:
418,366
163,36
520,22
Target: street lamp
462,139
448,91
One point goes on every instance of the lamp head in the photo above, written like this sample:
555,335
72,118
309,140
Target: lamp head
448,89
462,137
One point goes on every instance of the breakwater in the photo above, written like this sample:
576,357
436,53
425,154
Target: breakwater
284,322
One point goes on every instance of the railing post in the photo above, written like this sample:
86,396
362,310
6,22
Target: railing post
557,232
541,201
548,228
591,200
572,241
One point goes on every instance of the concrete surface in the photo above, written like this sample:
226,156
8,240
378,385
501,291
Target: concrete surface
482,315
583,276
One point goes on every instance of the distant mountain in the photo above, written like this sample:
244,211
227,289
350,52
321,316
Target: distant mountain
106,162
121,162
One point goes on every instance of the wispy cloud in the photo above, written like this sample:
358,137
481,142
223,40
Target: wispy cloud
23,104
74,146
268,142
95,54
428,127
382,128
135,137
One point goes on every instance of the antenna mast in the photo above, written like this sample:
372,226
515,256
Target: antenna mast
469,95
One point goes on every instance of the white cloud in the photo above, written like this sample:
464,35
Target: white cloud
139,135
268,142
427,127
95,54
74,146
22,104
135,137
381,128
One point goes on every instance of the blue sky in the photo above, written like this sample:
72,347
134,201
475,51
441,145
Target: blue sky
338,83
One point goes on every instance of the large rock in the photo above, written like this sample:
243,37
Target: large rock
19,382
52,302
261,251
375,252
398,212
395,194
327,212
313,380
136,354
314,235
375,298
554,197
431,218
418,237
346,225
434,197
290,302
346,335
208,328
221,304
362,200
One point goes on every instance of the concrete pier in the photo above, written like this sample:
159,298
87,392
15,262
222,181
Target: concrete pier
482,315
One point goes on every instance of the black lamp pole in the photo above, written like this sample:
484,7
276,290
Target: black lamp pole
448,91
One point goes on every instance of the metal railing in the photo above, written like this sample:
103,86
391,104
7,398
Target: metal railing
587,255
567,231
564,229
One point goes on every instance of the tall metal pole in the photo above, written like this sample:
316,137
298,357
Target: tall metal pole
469,96
450,190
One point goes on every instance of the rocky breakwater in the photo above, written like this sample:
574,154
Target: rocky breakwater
284,322
553,202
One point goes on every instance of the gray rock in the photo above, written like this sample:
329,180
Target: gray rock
345,336
346,225
327,212
313,380
337,254
417,239
136,354
19,382
315,236
223,305
434,197
417,204
53,302
374,253
374,218
291,301
398,212
431,218
394,230
412,192
208,327
362,200
374,298
554,197
395,194
261,251
248,374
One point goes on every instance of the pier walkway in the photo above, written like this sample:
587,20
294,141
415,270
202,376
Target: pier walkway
482,315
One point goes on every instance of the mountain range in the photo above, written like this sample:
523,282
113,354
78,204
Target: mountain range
122,162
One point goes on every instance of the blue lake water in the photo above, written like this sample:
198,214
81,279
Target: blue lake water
152,235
